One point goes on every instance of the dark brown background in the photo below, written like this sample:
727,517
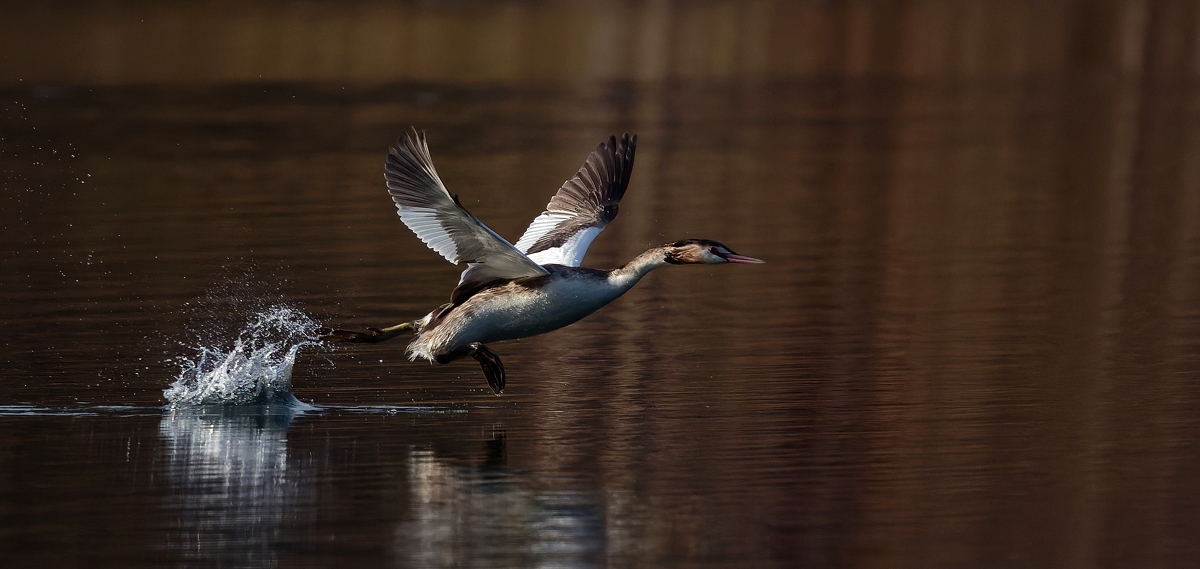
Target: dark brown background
975,343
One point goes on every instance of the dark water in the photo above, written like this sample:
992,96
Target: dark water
976,342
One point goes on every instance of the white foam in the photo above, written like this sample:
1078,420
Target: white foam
257,370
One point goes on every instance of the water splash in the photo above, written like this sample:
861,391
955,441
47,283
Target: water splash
257,370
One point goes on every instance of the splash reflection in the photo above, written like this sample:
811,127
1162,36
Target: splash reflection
485,516
231,482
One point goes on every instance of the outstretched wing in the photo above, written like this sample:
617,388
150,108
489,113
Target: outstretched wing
441,221
582,207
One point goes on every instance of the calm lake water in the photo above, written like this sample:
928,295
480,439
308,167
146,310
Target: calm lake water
975,343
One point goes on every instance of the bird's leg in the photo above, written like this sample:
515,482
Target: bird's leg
493,368
371,336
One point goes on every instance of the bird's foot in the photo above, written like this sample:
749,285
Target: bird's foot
493,368
371,336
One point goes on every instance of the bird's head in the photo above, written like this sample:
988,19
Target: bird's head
703,251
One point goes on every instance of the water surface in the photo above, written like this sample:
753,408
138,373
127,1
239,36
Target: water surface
974,342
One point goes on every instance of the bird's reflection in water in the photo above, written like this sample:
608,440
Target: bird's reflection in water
231,483
484,515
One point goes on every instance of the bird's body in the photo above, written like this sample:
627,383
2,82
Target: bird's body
524,307
511,291
517,308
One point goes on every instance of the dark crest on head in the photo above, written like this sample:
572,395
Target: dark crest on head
680,254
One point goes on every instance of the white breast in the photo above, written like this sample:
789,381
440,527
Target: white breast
512,311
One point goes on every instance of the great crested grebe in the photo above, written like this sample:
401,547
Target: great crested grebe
516,291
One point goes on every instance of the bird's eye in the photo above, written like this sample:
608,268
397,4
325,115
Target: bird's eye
712,250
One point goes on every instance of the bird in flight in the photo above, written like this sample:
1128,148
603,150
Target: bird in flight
535,286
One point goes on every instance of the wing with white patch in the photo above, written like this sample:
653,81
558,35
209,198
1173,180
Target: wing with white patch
582,207
441,221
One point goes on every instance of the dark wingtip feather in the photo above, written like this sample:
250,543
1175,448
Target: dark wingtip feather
591,196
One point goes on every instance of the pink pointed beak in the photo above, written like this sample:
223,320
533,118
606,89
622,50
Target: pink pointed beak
741,259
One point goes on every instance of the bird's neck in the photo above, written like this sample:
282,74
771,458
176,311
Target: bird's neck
633,271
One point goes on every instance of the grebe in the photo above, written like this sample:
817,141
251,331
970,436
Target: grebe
516,291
